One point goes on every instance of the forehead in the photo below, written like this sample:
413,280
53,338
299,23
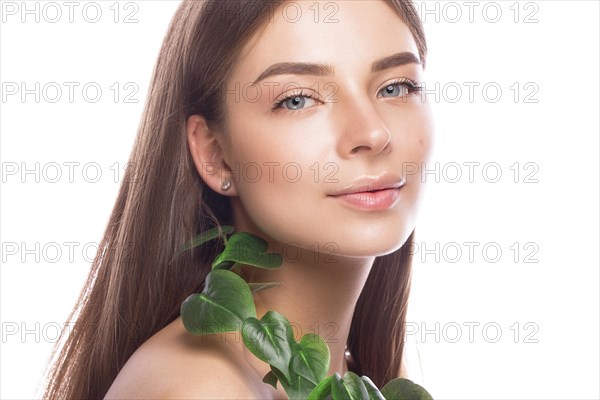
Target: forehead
346,34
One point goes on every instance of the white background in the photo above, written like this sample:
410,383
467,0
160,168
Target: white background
534,324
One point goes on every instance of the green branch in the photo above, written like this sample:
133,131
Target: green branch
226,304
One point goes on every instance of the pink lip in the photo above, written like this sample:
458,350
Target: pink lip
371,183
371,192
379,200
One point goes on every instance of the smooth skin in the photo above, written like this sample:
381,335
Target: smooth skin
355,123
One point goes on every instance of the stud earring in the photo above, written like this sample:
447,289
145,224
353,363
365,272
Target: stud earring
225,185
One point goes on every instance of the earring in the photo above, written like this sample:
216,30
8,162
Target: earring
225,185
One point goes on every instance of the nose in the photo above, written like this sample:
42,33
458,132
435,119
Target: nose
364,131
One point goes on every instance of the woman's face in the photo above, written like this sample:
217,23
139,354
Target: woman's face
289,159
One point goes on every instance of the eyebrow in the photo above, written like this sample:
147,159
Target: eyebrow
301,68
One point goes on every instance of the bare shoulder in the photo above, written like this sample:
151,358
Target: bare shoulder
175,365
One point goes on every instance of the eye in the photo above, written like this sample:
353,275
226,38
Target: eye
400,88
293,102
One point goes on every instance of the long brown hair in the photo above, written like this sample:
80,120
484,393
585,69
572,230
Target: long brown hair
136,284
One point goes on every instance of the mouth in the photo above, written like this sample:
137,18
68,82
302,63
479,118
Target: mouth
370,200
370,186
373,191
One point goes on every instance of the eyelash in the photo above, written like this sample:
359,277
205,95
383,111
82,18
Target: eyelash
413,87
291,96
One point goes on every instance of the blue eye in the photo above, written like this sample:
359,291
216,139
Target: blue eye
293,102
400,88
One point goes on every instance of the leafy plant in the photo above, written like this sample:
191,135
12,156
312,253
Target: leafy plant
226,304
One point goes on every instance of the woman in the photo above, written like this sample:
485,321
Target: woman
278,118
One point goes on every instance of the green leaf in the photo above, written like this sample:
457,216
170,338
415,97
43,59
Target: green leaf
350,387
299,387
271,379
271,340
246,248
404,389
310,358
374,393
225,265
322,390
258,286
308,366
206,236
310,355
223,305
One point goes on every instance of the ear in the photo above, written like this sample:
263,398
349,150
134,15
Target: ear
208,155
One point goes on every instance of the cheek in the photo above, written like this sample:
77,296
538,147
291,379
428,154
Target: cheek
289,152
415,135
420,137
276,170
425,131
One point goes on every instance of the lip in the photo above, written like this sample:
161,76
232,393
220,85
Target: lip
371,201
370,183
371,192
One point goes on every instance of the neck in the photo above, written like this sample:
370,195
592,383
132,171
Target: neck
318,294
318,291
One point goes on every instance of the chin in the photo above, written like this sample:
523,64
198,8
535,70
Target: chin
369,247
